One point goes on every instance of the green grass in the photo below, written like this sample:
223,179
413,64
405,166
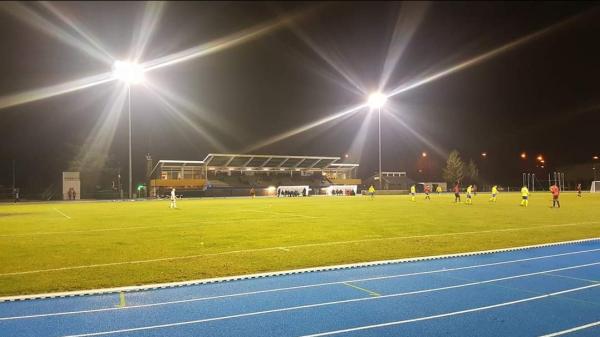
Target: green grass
237,236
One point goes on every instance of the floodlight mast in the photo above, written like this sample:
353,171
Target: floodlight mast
377,101
130,73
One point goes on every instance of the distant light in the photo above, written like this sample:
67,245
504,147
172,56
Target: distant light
271,189
484,154
281,169
346,155
424,154
248,169
377,100
542,161
523,155
540,158
127,72
420,171
265,168
542,166
595,157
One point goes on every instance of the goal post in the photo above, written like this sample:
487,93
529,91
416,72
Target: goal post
595,188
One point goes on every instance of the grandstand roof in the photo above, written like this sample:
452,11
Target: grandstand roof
261,161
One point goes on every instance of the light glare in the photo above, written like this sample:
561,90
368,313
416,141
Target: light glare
128,72
377,100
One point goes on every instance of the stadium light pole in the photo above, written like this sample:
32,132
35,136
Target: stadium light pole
131,74
377,101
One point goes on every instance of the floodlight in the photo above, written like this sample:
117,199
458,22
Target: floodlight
484,154
540,158
128,72
523,155
595,157
377,100
424,154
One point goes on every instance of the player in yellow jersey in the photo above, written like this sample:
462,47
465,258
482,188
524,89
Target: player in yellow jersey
439,190
494,193
413,191
524,196
469,196
372,191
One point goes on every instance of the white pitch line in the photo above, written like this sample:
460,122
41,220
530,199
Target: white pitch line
63,214
283,213
304,287
241,251
448,314
577,328
370,298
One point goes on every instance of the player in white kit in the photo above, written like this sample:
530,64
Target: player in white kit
173,199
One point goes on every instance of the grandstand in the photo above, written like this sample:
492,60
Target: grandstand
236,174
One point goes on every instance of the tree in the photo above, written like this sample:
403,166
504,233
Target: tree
472,172
455,168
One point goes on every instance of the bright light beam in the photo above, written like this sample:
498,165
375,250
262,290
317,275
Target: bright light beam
409,19
358,143
54,90
303,128
153,11
210,119
34,19
437,149
76,27
95,151
485,56
216,45
332,60
187,121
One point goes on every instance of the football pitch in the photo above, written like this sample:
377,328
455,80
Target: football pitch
61,246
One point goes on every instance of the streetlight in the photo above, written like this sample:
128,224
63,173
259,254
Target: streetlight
377,101
130,73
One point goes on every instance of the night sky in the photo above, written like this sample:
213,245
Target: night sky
541,97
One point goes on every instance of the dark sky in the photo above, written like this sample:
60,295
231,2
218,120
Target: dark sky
543,96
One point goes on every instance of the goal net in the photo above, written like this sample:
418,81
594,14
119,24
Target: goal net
595,187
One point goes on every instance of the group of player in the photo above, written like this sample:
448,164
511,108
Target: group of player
471,191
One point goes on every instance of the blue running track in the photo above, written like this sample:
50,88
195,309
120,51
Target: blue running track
545,291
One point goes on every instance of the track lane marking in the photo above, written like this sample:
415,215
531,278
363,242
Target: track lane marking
241,251
448,314
577,328
168,325
303,287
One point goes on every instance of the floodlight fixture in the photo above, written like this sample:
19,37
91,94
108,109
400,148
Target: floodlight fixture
424,154
377,100
128,72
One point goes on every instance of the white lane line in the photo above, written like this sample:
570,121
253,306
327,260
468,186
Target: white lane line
96,230
283,213
242,251
61,213
454,313
284,249
301,287
577,328
443,234
162,326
